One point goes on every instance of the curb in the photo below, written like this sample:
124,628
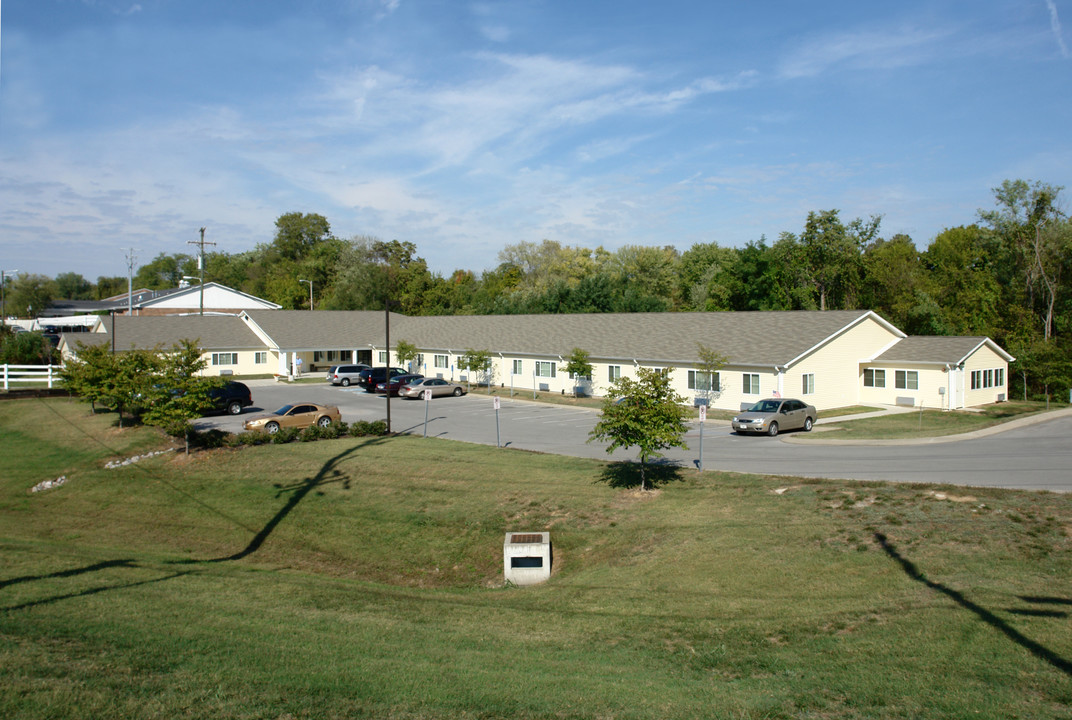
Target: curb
1028,421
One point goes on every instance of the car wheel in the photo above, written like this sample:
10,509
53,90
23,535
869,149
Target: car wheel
772,430
272,428
324,421
457,392
807,425
346,382
234,408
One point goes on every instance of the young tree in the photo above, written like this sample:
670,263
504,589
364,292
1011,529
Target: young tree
645,413
476,361
708,380
578,367
406,353
178,394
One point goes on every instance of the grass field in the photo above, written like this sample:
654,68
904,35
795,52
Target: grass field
363,578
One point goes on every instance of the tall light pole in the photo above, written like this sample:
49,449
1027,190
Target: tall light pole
4,275
310,292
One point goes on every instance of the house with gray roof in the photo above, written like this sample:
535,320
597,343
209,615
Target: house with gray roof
829,359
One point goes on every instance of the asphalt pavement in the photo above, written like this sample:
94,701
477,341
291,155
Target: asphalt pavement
1029,453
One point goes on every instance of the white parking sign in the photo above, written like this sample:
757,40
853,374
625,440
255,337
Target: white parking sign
703,413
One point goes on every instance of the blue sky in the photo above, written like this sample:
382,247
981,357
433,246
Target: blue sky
467,126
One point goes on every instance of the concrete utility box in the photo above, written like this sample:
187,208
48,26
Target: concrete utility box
527,557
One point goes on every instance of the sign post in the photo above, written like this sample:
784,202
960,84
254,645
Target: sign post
703,419
427,402
498,444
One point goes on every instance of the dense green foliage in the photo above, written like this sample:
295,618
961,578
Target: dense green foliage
1008,277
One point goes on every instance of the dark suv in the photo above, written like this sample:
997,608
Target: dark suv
231,398
372,377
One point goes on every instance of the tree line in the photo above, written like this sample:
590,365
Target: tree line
1007,276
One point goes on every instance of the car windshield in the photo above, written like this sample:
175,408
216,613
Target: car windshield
283,410
765,406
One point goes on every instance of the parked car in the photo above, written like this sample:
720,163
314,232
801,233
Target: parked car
774,415
397,383
372,377
438,386
345,374
231,398
299,415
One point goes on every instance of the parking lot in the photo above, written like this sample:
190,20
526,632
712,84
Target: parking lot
1035,458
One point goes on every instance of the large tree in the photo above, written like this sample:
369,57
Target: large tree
645,413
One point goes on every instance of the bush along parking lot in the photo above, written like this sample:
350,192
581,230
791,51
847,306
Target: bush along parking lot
218,438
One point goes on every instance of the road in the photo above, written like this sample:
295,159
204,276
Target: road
1036,457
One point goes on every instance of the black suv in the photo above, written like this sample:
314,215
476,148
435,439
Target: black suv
372,377
231,398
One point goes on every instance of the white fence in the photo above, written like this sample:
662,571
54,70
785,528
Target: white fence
30,374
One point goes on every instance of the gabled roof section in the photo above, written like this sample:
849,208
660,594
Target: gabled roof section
223,332
937,349
216,295
869,315
746,338
324,329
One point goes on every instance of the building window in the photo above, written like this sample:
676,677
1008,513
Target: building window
808,384
225,358
987,378
515,367
613,372
704,382
439,361
906,380
874,378
750,384
383,357
545,369
260,358
317,355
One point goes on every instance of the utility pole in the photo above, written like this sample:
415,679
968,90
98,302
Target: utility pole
201,264
310,292
4,275
131,257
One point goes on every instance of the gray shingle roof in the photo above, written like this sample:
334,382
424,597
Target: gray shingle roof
324,329
224,332
748,338
931,349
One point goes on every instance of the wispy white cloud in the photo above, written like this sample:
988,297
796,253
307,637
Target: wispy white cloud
863,49
1055,26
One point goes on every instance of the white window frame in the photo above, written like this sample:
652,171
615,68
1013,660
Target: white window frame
516,367
807,384
225,358
878,378
545,368
703,381
614,372
750,383
906,379
260,357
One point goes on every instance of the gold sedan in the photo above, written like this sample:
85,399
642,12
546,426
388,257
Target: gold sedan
298,415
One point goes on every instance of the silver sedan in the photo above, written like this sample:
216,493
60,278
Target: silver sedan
775,414
438,386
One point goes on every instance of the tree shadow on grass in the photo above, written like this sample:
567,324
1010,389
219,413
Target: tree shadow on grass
1037,649
626,474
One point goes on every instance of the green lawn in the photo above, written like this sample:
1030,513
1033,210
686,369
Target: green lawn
362,578
929,423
